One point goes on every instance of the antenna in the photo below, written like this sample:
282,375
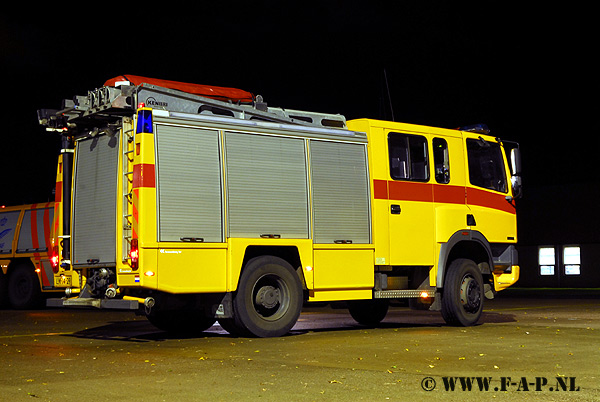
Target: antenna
387,87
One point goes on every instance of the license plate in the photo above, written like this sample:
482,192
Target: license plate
62,280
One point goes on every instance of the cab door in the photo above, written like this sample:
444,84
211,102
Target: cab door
410,199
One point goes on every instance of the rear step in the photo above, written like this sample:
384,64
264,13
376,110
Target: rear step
400,294
119,304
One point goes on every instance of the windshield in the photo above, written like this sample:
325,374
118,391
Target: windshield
486,165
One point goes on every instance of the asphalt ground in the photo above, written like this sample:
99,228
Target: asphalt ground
529,346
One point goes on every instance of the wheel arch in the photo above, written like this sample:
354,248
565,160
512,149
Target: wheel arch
469,244
290,254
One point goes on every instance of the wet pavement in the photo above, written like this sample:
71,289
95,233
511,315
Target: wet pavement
528,346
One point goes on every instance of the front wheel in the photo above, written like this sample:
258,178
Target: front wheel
462,299
268,301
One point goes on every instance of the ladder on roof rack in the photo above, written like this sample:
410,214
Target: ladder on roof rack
110,102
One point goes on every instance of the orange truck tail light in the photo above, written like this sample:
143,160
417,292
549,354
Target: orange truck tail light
55,259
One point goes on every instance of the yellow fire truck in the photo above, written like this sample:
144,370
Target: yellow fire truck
25,255
194,204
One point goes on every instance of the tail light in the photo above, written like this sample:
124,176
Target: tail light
134,253
55,259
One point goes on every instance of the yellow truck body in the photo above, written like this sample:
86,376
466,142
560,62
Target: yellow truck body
199,217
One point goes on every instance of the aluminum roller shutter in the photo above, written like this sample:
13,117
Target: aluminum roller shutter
340,192
266,186
188,184
95,201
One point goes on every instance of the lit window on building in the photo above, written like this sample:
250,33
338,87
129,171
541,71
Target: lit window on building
546,260
546,270
572,260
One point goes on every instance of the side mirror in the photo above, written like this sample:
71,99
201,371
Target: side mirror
515,161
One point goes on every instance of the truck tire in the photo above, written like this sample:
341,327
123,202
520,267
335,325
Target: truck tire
24,288
368,312
462,298
3,290
182,322
268,301
229,325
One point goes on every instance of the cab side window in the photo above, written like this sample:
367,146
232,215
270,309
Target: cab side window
441,161
408,157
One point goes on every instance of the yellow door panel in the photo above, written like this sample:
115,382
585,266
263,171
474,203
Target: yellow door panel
343,268
411,223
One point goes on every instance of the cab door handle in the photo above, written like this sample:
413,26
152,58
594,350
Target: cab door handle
395,209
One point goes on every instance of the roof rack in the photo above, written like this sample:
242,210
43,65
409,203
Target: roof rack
109,103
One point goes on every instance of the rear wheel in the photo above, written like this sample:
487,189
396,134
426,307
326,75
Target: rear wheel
462,300
368,312
268,301
229,325
24,288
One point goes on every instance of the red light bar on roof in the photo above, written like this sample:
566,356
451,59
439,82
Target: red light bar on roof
220,93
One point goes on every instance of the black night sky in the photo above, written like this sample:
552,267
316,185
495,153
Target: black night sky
524,70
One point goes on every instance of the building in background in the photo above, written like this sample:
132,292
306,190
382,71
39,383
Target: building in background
559,236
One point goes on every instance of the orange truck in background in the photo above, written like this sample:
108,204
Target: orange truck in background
25,254
31,243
